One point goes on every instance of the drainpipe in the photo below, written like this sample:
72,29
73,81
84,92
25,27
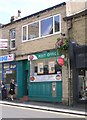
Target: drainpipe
70,102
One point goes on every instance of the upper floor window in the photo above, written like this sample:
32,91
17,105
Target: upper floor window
12,38
57,23
47,26
43,27
25,33
33,30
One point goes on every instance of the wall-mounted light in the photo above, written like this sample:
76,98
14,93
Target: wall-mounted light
63,34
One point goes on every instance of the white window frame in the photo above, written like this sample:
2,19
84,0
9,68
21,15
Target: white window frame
40,28
11,40
26,33
38,31
54,24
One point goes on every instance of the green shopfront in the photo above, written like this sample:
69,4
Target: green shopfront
45,83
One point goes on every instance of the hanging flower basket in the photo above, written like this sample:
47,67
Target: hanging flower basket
62,44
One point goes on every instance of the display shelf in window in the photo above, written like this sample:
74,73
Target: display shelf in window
40,68
52,67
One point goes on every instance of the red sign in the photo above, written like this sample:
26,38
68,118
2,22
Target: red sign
31,57
61,61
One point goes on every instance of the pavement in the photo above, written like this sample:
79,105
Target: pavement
78,109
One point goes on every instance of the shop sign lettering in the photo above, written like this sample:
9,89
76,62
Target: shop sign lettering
42,55
47,54
6,58
12,66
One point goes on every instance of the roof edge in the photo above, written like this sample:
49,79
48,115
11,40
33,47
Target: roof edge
83,12
34,14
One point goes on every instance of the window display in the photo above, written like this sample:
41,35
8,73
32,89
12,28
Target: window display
52,67
45,70
9,72
40,68
82,85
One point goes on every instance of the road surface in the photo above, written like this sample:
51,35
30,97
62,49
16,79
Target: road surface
8,111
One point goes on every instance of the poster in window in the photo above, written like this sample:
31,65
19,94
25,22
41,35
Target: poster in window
51,67
40,68
58,76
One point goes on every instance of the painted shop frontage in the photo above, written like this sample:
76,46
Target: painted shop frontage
81,71
8,69
40,77
78,61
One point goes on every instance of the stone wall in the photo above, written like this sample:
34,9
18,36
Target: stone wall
41,44
46,43
78,30
77,25
65,87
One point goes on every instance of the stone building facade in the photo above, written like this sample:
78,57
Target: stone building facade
34,56
41,45
77,26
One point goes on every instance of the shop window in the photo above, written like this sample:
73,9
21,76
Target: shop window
35,69
44,69
40,68
9,72
82,77
51,67
57,69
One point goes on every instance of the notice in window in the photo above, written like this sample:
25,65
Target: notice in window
40,68
51,67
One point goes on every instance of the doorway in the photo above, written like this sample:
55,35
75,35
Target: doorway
82,86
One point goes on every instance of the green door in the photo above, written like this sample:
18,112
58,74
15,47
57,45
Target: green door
22,78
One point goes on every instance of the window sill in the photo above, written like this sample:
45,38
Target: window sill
12,49
23,41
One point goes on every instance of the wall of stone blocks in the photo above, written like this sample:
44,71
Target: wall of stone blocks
65,87
46,43
78,30
35,45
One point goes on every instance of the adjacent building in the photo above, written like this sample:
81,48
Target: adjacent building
77,26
